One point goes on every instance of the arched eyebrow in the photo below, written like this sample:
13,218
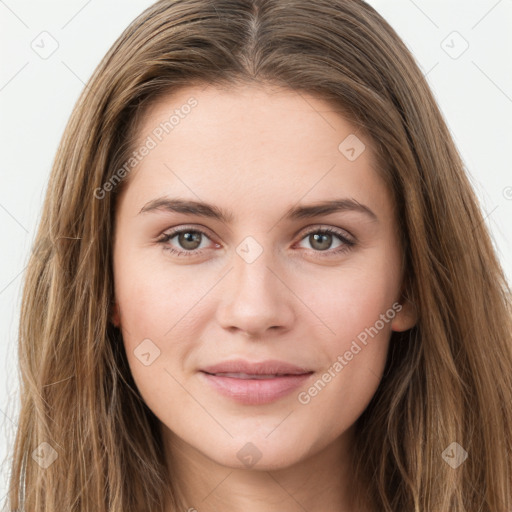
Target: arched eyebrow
201,209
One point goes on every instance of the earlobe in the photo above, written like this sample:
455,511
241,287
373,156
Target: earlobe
406,318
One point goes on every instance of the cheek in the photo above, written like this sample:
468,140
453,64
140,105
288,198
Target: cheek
354,358
352,299
153,297
150,304
357,306
359,318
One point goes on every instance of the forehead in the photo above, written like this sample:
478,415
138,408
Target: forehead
262,113
252,143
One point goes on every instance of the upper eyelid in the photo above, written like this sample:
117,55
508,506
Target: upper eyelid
177,230
334,229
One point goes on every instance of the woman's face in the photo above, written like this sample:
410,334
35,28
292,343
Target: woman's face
221,255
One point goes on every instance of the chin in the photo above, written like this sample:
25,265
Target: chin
258,455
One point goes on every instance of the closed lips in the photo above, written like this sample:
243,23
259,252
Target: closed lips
252,376
242,369
255,383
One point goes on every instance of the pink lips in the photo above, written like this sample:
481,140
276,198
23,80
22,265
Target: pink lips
255,383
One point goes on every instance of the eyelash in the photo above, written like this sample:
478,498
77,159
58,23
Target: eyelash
347,243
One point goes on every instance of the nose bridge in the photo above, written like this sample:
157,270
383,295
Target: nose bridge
254,299
251,266
252,277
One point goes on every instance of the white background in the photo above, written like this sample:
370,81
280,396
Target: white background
37,95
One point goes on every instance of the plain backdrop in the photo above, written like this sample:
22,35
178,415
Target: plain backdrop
463,47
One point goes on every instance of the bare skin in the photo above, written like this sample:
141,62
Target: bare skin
255,153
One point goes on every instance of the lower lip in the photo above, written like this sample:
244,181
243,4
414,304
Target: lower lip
255,391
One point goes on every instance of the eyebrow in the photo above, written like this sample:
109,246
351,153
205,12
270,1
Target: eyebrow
202,209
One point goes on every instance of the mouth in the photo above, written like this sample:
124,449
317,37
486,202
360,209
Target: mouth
253,376
258,383
268,368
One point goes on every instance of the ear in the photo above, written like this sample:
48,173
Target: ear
406,314
405,318
114,316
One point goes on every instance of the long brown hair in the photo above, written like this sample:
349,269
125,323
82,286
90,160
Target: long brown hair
447,380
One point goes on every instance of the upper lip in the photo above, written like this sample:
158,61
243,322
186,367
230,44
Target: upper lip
269,367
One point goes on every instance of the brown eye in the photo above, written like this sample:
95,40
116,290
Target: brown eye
189,240
322,240
184,242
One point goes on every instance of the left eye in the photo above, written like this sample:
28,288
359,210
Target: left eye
321,240
188,239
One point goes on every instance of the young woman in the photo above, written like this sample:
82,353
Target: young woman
262,280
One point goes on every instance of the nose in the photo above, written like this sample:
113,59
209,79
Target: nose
256,298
